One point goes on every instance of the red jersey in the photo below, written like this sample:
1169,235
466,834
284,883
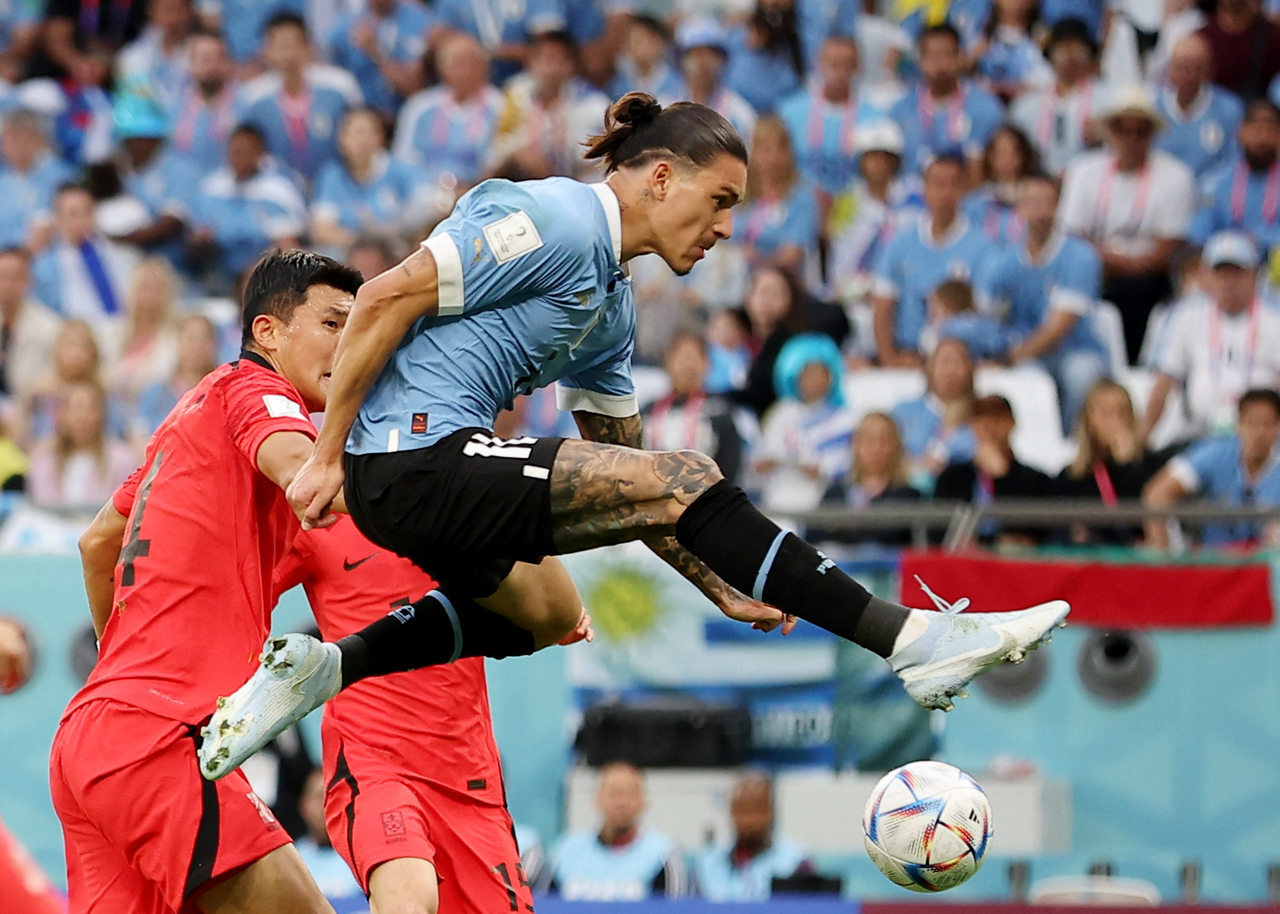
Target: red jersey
431,723
205,528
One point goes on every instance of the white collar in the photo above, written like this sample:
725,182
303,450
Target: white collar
1051,248
952,235
1199,105
612,214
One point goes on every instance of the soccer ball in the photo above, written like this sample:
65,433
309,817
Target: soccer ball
926,826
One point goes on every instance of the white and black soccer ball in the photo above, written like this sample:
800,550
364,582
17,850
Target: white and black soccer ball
927,826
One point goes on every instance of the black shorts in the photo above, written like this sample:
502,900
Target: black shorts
464,510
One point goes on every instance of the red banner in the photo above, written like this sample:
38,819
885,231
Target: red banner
1101,594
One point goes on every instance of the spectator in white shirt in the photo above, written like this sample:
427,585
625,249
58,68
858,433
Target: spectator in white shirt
1134,204
1218,347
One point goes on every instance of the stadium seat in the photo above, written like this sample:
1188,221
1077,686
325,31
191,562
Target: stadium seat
1095,891
1110,329
1038,439
881,389
1157,326
1173,425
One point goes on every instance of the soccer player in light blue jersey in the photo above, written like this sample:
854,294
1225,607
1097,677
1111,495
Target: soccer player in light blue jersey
525,285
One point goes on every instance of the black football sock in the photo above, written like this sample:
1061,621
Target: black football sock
752,553
436,629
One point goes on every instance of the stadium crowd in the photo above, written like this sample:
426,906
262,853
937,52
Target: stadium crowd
1076,198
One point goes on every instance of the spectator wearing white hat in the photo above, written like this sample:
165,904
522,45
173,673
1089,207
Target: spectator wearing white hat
864,217
1201,120
1217,347
704,51
1134,204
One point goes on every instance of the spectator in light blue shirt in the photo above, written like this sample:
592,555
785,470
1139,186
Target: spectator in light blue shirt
382,46
1239,469
944,112
1046,288
1201,120
941,245
242,21
365,190
935,428
245,207
297,104
766,58
504,27
207,105
744,868
645,63
1245,194
32,173
1007,158
952,316
623,860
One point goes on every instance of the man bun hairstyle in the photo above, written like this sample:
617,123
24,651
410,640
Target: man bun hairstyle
638,130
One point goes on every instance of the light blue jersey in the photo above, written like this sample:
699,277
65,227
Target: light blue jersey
1067,277
365,206
440,135
722,878
998,220
920,423
168,186
913,264
531,291
762,76
27,198
400,36
302,132
963,123
824,137
1213,469
243,21
498,22
583,869
1204,137
1237,197
768,225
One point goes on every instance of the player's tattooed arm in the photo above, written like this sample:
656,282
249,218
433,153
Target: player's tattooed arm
677,472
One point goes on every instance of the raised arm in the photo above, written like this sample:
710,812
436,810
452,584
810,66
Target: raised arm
628,431
385,308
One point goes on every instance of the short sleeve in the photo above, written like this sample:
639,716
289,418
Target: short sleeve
123,497
1077,211
1172,357
884,278
605,388
258,404
1076,288
1195,467
504,245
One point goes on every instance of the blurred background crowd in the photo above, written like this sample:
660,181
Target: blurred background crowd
989,248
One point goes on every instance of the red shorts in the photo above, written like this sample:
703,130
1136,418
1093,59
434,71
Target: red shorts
144,832
375,813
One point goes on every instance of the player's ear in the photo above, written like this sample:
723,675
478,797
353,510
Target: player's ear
660,178
266,331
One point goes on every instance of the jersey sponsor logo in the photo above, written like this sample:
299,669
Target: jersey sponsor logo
512,236
393,828
348,565
418,425
477,784
279,406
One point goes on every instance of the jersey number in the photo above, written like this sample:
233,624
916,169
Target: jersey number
137,547
513,899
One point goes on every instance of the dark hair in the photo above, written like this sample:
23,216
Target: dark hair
286,18
942,29
1260,395
16,250
67,187
1030,155
951,156
1071,29
280,280
955,294
652,24
247,129
780,29
1043,177
638,130
562,37
689,333
992,405
1261,106
1030,23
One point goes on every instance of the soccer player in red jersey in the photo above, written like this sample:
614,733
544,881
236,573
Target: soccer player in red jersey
414,800
182,616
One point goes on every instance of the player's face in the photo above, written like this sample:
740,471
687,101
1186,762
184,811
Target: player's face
304,347
692,209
